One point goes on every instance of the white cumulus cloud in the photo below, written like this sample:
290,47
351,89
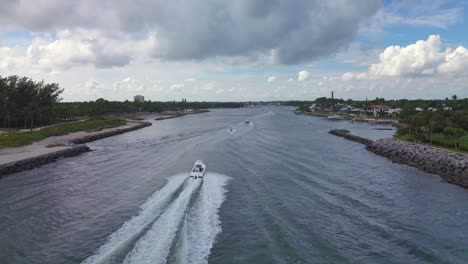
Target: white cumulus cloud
80,47
271,79
425,57
303,75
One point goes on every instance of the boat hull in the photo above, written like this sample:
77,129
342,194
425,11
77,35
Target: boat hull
198,170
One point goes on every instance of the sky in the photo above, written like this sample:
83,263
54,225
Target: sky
243,50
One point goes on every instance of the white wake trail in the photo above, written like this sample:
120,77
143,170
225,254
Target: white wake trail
203,224
131,229
155,245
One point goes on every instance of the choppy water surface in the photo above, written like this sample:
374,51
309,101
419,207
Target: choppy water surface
279,190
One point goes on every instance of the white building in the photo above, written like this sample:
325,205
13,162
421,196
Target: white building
139,98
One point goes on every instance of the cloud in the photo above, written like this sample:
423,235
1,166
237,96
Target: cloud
92,84
128,84
271,79
80,47
68,49
286,32
422,58
456,61
353,76
176,87
347,76
11,59
303,76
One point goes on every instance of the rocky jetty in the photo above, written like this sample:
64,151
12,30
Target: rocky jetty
346,134
452,167
31,163
176,114
97,136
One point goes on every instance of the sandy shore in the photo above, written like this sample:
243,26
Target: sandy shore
41,147
58,143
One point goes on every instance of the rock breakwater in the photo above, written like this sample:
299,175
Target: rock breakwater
111,133
347,135
31,163
452,167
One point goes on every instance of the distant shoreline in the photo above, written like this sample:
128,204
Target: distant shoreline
372,121
180,114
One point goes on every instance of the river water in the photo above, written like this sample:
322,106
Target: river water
278,190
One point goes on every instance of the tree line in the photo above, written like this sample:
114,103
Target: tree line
441,120
104,107
25,103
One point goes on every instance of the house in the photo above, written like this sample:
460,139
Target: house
394,112
139,99
378,110
314,108
447,108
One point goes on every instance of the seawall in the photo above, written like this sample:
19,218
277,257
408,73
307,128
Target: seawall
34,162
452,167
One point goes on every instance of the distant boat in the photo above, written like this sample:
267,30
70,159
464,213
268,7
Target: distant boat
230,129
198,170
247,122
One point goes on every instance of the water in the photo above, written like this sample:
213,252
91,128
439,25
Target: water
277,191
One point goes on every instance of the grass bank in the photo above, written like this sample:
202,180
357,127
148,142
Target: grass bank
15,139
440,141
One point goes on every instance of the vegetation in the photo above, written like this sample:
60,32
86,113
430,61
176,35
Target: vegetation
26,103
103,107
18,139
442,123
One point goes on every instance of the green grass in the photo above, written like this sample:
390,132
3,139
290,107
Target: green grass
438,140
14,139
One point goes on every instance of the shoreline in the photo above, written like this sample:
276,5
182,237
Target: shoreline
48,150
358,119
37,161
180,114
451,167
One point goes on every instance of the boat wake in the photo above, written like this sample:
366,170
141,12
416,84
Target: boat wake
179,222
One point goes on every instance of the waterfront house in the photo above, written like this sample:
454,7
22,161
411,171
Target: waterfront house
378,110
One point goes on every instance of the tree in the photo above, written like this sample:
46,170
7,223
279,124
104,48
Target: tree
454,133
26,102
454,97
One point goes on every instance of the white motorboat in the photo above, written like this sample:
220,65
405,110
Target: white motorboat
198,170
